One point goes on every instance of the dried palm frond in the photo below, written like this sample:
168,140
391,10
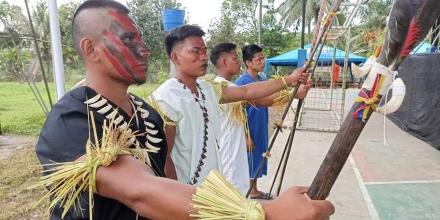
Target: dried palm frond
237,112
282,99
239,115
218,86
66,181
283,95
153,102
216,198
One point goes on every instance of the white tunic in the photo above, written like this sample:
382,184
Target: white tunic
233,151
179,105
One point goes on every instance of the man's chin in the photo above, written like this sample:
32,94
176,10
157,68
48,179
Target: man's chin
202,72
139,81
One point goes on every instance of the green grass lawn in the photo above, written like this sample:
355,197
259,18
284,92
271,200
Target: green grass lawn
20,112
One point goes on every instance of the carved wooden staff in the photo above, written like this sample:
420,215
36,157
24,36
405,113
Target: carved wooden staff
322,33
374,87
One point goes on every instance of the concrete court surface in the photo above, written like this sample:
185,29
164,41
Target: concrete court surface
397,181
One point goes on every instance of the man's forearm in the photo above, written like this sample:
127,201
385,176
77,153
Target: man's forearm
266,101
163,199
130,182
252,91
263,89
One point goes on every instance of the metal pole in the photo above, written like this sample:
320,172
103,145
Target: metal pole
37,50
260,18
331,76
303,26
57,54
289,144
344,75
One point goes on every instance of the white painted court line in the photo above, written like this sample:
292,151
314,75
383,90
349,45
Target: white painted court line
403,182
371,208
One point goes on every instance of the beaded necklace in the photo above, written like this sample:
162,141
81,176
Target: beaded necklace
202,107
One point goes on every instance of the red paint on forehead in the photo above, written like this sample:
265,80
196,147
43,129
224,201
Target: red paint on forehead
117,65
197,42
123,20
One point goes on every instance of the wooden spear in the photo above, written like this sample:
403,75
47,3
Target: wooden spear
322,33
426,14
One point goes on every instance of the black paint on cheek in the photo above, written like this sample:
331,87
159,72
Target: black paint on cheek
134,49
115,52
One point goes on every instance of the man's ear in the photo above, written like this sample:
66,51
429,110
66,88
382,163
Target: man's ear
175,58
88,50
223,61
248,63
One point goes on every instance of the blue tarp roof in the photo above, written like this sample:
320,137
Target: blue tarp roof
422,48
291,58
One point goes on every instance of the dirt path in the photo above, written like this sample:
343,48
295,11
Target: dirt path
10,143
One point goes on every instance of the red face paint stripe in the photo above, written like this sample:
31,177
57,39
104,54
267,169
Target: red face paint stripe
127,54
117,65
123,20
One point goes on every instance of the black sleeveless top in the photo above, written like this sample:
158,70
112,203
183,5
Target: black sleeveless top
66,131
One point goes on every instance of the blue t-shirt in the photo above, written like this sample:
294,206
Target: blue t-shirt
258,118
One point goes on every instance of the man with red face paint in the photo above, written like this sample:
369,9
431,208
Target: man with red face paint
115,57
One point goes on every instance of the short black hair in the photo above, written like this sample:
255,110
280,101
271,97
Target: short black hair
77,33
249,51
179,34
220,48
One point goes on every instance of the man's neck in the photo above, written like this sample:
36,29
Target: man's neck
222,73
113,90
188,81
253,73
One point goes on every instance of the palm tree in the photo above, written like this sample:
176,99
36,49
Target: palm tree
369,34
291,12
40,19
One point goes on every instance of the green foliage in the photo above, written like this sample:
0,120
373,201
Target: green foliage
162,77
291,13
374,13
274,39
16,47
11,66
65,15
369,35
40,20
12,18
238,24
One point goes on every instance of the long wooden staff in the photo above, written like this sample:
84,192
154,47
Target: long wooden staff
419,26
285,158
322,32
288,147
